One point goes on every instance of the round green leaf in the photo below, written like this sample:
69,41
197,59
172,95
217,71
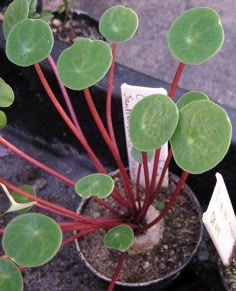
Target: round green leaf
30,41
7,95
202,137
191,97
16,11
118,23
10,277
84,63
98,184
137,155
3,119
152,122
22,199
32,239
119,238
196,36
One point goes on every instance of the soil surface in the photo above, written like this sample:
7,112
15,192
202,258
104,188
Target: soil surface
69,29
181,235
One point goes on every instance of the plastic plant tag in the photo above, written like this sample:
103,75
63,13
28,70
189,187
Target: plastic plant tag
130,96
220,221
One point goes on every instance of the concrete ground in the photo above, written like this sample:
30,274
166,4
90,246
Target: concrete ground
148,53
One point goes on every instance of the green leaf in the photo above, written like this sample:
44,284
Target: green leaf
118,23
3,119
30,41
32,7
119,238
202,137
16,11
7,95
22,199
152,122
10,277
191,97
196,36
32,239
98,184
84,63
159,205
46,16
137,155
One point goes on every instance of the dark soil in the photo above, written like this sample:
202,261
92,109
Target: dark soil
182,229
76,24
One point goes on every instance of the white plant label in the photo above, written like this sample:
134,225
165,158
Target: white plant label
130,96
220,221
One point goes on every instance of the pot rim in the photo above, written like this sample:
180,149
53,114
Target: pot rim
172,275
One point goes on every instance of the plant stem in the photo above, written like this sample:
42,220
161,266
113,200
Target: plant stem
67,120
146,171
76,236
109,97
115,154
170,202
176,79
35,162
163,173
148,195
117,271
65,95
155,169
50,206
2,230
50,171
116,195
138,198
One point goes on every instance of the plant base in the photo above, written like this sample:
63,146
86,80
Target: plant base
161,264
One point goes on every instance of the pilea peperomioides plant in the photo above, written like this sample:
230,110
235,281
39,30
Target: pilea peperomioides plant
199,132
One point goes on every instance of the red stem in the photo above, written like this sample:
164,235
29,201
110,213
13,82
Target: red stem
163,173
146,171
67,120
148,197
109,96
35,162
2,230
117,271
50,206
176,80
155,169
45,207
107,225
76,236
50,171
170,202
138,198
65,95
124,175
75,131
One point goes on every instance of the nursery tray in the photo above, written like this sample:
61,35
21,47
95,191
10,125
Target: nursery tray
35,126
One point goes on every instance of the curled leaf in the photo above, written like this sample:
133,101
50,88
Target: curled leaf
98,184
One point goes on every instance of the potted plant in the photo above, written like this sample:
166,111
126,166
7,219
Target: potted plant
198,130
